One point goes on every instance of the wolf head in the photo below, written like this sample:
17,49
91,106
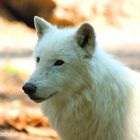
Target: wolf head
62,60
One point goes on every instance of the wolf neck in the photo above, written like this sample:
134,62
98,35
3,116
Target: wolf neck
111,83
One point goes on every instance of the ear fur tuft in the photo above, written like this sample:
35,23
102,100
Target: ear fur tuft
85,38
41,26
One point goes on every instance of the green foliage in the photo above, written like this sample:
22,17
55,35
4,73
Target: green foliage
11,69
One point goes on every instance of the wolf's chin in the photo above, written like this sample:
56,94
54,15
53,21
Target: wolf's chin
39,100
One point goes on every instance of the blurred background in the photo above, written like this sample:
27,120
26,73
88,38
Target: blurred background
117,25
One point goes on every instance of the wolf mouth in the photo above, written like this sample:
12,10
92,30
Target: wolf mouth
51,95
38,99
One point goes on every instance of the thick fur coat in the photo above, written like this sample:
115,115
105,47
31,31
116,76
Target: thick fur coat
85,93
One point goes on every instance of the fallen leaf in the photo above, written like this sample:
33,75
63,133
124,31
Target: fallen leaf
41,131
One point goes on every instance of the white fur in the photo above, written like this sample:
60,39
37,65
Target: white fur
96,98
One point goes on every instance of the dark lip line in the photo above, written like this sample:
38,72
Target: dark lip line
42,99
37,99
51,95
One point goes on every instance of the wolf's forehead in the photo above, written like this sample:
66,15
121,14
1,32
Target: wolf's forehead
56,43
54,46
52,50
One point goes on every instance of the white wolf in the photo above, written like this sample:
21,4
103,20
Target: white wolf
86,94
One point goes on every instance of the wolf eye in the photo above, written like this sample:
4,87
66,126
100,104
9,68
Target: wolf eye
37,59
59,62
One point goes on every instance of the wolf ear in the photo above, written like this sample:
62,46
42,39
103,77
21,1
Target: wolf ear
41,26
85,37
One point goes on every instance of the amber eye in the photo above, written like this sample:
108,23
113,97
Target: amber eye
58,62
37,59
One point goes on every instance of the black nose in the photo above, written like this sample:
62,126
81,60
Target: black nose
29,88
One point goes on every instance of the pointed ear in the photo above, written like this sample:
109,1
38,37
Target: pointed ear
85,37
41,26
